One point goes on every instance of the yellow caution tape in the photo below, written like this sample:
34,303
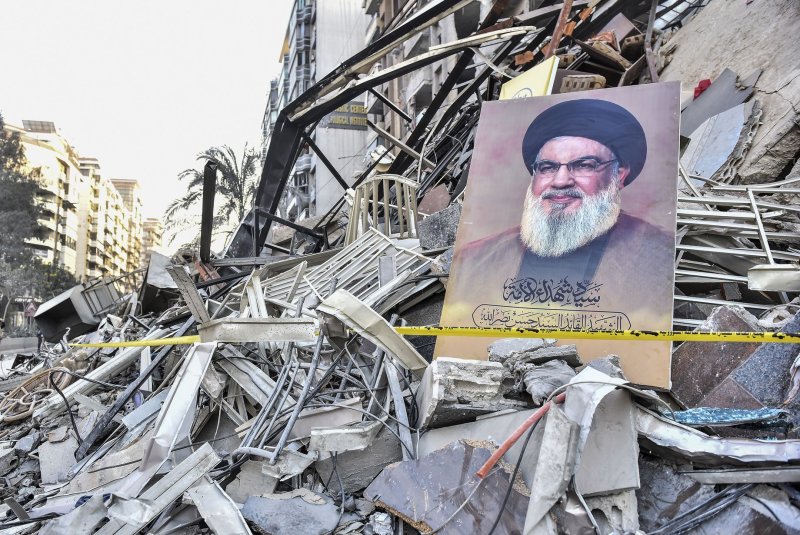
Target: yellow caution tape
178,340
673,336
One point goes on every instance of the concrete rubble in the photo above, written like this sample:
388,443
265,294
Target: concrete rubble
298,408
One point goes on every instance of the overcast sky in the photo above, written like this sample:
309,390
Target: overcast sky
142,86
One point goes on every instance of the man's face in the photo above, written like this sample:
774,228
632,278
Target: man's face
566,209
564,191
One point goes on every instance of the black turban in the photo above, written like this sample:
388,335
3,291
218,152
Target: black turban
599,120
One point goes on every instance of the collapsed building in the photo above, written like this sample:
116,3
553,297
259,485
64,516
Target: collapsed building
270,390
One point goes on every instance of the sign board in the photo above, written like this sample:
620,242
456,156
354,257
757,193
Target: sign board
30,310
350,116
569,223
535,82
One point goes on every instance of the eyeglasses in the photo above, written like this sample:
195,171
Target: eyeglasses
580,168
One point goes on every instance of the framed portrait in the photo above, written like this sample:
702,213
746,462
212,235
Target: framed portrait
568,223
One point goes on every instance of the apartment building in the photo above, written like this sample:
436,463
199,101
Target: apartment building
93,227
113,230
320,34
60,189
152,229
132,200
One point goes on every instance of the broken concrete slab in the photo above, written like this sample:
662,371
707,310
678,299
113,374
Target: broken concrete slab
458,390
291,513
540,381
612,444
617,512
494,428
56,459
250,481
357,469
8,460
428,493
439,230
555,466
567,353
503,349
354,437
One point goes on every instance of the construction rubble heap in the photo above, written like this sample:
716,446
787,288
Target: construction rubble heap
272,391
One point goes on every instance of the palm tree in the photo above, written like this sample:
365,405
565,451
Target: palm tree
236,182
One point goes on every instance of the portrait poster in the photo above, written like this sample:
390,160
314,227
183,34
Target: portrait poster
568,223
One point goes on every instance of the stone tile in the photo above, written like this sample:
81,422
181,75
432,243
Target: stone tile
427,492
730,395
699,367
766,373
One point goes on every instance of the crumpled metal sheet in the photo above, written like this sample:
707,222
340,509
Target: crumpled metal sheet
668,437
82,520
175,418
348,309
217,509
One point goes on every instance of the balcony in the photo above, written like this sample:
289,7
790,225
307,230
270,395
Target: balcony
302,42
371,6
420,87
304,14
304,163
303,73
418,44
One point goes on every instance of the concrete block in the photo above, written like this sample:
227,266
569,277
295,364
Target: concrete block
458,390
501,350
615,512
357,469
27,443
250,482
541,381
8,460
56,459
291,513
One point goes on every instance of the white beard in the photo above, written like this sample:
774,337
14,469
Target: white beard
556,233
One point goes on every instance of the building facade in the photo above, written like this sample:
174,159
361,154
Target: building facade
132,200
152,230
320,34
93,227
61,186
414,92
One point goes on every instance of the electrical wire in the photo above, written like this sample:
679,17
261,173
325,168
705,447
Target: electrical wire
66,402
767,507
511,481
334,470
95,381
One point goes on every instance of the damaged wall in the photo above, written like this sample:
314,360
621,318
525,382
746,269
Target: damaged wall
724,32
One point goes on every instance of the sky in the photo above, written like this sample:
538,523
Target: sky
142,86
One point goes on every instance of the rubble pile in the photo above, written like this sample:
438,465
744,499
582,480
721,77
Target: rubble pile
272,394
